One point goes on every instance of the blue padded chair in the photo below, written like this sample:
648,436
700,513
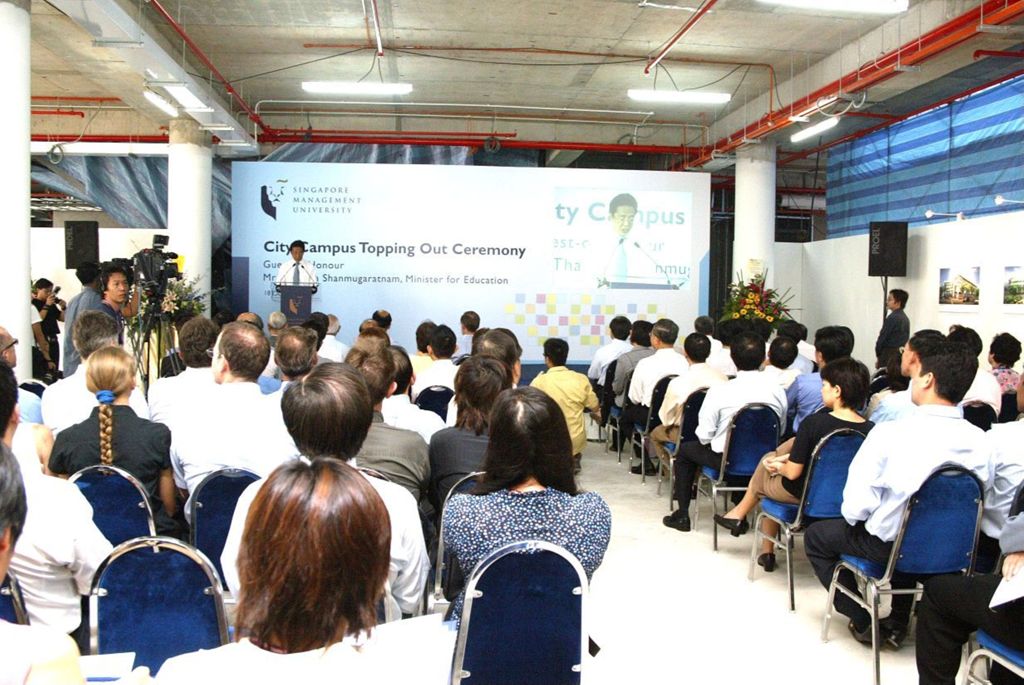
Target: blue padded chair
12,606
822,498
607,399
989,650
642,432
120,505
212,508
157,597
436,399
938,534
752,433
980,415
523,618
437,601
620,426
687,433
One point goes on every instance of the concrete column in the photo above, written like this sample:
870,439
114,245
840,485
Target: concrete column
754,244
189,200
15,182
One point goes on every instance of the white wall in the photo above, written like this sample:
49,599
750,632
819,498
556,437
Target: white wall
836,289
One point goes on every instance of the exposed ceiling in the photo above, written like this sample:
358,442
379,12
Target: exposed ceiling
530,71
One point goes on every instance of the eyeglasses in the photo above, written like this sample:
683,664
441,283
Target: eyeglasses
623,218
209,353
8,346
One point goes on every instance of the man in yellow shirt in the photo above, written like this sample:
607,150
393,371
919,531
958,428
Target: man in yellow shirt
570,390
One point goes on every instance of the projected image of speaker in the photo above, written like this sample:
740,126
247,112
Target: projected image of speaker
81,243
887,248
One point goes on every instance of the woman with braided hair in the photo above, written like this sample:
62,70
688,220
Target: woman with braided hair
114,435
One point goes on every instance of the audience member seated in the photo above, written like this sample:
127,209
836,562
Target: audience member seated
721,359
469,324
373,336
114,436
892,464
954,606
804,394
276,322
780,475
1003,353
899,404
442,371
32,654
570,390
399,454
171,399
1006,462
494,343
328,414
421,360
894,380
696,349
458,451
68,401
664,362
398,409
312,565
985,388
797,332
367,324
527,492
720,405
318,323
253,319
705,325
640,340
173,363
382,318
295,355
332,349
781,357
60,547
234,425
606,354
29,404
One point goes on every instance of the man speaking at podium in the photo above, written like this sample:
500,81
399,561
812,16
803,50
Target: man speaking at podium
296,271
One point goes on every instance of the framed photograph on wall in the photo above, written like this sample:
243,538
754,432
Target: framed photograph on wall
1013,288
959,287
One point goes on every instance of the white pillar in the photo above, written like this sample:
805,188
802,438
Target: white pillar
754,242
15,181
189,200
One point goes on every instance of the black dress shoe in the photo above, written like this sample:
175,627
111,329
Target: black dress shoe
893,633
649,469
861,636
767,562
678,519
737,527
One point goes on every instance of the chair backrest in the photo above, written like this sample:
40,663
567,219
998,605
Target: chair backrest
657,398
827,470
120,505
980,414
12,606
608,392
939,529
157,597
626,402
753,432
1008,409
442,571
691,415
523,617
212,508
435,399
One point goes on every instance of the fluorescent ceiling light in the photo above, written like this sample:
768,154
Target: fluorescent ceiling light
216,127
158,102
858,7
692,97
186,99
356,88
811,131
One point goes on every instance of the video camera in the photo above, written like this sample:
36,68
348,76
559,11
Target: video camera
151,268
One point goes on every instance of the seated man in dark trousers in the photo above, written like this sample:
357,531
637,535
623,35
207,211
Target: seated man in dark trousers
895,459
955,606
720,405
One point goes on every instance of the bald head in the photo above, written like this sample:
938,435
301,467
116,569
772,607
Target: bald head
251,318
241,354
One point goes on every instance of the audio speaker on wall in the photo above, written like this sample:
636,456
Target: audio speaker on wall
887,248
81,243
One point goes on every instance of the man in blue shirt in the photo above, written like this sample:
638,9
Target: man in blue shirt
88,274
804,395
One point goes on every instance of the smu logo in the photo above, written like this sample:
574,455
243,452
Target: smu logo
270,197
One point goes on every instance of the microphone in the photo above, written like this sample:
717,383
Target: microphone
656,264
316,285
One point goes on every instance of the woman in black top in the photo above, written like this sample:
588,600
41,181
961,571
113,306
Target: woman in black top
114,435
780,475
45,332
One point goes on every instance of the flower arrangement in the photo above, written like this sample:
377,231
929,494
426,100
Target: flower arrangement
149,331
183,297
751,300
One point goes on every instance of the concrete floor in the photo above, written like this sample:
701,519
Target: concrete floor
665,608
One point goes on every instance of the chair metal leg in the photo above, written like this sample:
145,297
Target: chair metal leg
875,647
827,621
756,545
789,567
643,459
714,512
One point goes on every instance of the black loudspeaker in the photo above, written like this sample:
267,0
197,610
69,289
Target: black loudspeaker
81,243
887,248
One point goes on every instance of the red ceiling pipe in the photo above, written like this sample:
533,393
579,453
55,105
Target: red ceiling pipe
69,98
694,18
401,139
438,134
946,36
978,54
98,139
57,113
179,29
800,191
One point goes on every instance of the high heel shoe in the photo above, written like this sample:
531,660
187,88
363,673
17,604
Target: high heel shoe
737,527
767,562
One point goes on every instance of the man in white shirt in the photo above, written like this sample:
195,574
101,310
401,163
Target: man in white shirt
605,355
696,348
892,464
721,404
172,399
234,425
781,355
296,271
984,388
333,349
805,352
295,356
442,371
330,417
69,401
469,323
1006,464
398,410
721,358
664,362
705,325
900,404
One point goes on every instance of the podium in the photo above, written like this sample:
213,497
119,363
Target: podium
296,302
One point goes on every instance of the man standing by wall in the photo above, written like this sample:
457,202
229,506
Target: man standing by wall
896,328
